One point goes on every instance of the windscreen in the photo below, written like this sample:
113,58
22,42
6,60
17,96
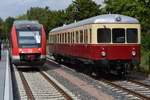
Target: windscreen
132,35
118,35
103,35
29,39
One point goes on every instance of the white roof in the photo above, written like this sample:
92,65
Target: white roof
25,22
107,18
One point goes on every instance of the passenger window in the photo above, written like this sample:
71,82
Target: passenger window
73,37
68,37
85,36
60,37
104,35
77,37
132,36
57,38
65,38
90,35
81,36
118,35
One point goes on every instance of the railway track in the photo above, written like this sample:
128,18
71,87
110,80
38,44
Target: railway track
39,86
131,88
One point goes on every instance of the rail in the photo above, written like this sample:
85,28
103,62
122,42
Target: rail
68,97
26,87
143,97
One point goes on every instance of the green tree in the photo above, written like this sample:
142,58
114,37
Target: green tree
22,17
85,9
40,14
2,34
8,25
50,19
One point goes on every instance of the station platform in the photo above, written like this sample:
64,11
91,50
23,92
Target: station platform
5,77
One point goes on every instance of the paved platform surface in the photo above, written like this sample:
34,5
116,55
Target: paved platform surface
5,78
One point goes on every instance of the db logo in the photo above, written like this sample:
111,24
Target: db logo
30,50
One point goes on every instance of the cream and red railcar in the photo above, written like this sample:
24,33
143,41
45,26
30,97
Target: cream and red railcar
28,43
110,42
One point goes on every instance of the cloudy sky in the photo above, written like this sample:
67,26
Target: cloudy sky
17,7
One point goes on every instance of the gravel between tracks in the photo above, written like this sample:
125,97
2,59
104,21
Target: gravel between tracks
79,93
116,93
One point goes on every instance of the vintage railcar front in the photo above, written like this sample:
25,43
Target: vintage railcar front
118,44
28,43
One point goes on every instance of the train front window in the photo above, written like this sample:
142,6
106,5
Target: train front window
103,35
118,35
29,39
132,36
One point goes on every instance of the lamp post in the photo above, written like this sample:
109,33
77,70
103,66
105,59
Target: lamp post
146,1
75,13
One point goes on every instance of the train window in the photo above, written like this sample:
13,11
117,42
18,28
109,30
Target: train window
29,39
86,36
65,37
57,38
77,37
60,38
73,37
132,36
90,35
51,38
81,36
103,35
68,37
118,35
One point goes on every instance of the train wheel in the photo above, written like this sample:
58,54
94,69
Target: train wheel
88,69
123,73
80,66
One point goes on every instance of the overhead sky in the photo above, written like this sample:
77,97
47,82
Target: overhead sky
15,8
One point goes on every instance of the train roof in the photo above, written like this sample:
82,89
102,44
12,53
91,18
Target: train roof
107,18
26,22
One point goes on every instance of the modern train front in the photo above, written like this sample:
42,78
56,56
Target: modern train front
28,43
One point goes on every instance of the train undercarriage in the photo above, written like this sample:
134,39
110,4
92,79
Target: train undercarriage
28,59
116,67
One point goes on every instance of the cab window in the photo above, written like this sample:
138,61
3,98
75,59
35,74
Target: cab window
132,36
118,35
104,35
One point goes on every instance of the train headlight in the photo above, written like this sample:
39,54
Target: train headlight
39,49
133,53
103,53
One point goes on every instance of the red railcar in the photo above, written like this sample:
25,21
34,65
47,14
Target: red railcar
110,42
28,43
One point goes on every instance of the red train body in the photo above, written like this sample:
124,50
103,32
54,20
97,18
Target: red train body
28,43
110,42
92,52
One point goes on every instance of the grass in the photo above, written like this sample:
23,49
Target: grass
145,63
